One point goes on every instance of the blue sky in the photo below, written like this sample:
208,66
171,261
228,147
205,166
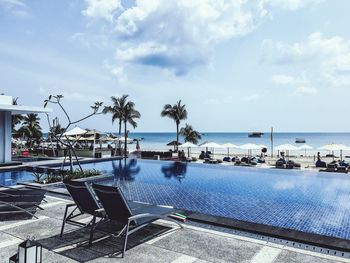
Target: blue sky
238,65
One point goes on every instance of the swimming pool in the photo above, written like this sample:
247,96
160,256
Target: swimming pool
306,201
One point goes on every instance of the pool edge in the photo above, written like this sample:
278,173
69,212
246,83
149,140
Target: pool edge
328,242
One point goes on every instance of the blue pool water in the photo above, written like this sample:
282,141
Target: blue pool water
302,200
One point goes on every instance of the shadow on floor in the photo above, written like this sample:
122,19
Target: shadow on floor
74,244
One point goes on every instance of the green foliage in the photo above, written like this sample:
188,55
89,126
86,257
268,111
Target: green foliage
176,112
49,178
31,128
189,134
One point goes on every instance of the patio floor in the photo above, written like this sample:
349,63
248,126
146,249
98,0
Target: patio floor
161,242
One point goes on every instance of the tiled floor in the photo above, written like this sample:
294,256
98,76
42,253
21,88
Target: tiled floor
160,242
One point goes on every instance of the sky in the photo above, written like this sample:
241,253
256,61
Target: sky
238,65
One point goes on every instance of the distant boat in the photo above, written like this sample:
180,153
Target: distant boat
255,134
300,140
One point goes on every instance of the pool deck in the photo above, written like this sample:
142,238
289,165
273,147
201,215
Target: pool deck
162,241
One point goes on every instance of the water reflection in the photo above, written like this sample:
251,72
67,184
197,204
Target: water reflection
125,170
177,170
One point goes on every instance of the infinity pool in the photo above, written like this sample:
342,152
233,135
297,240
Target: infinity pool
302,200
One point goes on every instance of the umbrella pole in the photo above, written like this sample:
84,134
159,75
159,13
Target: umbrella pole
188,152
341,155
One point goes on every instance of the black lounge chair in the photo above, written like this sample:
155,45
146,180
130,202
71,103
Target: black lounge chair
119,210
20,200
84,203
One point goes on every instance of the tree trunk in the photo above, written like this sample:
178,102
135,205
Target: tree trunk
120,126
177,137
125,136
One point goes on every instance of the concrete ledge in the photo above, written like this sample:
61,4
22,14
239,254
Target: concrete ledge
277,232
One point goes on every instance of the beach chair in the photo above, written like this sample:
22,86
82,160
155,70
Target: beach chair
84,203
20,201
119,210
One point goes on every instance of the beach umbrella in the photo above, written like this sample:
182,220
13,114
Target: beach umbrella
286,147
334,147
213,145
250,147
305,147
173,143
188,145
228,146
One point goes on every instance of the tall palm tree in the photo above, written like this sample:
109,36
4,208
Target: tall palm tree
129,114
31,128
177,112
116,109
189,134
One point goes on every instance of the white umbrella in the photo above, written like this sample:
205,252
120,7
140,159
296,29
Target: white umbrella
305,147
210,145
207,145
188,145
286,147
228,146
335,147
75,131
250,147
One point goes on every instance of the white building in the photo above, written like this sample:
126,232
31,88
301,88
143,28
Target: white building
6,112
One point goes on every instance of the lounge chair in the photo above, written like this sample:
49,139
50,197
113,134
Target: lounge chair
227,159
84,203
20,200
119,210
280,164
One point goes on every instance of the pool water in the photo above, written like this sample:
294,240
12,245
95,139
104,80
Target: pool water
307,201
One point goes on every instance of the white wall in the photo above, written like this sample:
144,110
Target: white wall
5,136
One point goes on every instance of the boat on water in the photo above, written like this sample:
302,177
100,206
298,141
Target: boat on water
300,140
255,134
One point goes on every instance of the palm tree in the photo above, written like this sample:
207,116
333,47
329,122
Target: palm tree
177,112
128,115
117,109
189,134
31,128
56,130
16,119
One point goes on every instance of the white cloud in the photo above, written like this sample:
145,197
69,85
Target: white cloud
16,7
290,4
323,61
178,35
103,9
282,79
250,98
303,90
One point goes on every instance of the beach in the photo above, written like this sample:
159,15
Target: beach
156,141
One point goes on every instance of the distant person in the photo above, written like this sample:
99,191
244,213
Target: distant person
319,162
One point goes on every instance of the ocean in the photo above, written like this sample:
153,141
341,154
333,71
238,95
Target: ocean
158,140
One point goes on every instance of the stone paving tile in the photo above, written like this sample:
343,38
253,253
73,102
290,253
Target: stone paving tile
143,253
294,257
7,252
38,228
209,246
189,242
222,249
